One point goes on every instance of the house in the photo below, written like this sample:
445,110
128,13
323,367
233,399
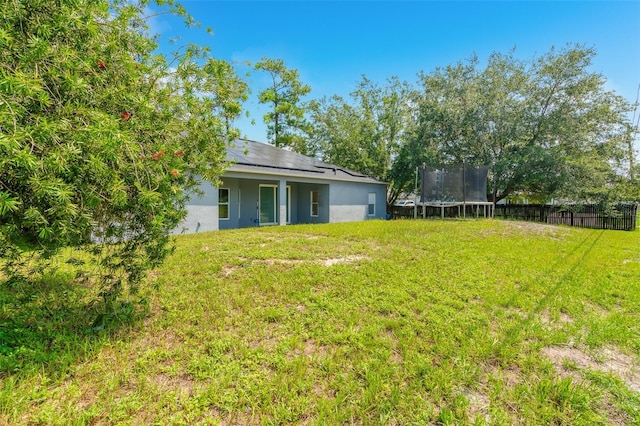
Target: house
265,185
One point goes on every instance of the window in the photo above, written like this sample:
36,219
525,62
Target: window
314,203
239,203
371,210
223,203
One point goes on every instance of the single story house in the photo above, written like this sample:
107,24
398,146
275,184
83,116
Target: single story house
265,185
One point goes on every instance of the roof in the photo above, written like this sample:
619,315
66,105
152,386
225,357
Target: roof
256,157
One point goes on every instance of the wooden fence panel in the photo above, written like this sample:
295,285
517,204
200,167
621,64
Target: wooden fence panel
623,218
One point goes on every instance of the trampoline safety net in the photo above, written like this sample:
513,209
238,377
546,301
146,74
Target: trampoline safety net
455,183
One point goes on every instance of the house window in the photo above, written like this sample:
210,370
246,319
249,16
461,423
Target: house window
239,203
223,203
314,203
371,210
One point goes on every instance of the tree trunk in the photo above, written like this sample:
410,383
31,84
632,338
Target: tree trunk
276,138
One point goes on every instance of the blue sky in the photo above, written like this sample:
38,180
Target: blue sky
333,43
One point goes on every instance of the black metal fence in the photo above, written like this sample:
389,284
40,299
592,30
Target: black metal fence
623,217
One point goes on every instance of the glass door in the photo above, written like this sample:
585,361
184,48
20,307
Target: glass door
268,203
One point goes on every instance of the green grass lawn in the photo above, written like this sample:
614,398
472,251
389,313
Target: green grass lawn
380,322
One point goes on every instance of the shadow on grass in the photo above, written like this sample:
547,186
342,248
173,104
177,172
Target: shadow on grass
50,324
557,280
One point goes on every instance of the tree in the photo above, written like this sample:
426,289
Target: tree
546,127
285,122
102,138
365,133
227,90
630,181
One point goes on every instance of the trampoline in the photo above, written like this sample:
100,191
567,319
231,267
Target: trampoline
458,186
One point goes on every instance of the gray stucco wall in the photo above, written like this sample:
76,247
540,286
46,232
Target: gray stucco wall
202,212
349,201
338,201
304,203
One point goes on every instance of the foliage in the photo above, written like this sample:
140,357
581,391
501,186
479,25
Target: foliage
627,188
630,182
285,122
101,136
227,91
366,133
547,127
377,322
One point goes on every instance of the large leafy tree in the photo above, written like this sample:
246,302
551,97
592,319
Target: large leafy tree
547,127
365,132
285,121
102,137
630,181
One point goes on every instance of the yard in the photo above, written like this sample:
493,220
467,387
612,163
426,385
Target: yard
379,322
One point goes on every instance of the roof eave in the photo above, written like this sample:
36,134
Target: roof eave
274,171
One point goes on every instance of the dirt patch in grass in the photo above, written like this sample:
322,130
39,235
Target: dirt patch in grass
273,262
182,384
614,416
153,275
83,397
607,360
324,391
565,318
229,419
160,339
344,259
310,349
268,344
302,236
324,262
535,228
547,319
287,236
396,358
510,376
560,355
597,309
227,270
478,407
